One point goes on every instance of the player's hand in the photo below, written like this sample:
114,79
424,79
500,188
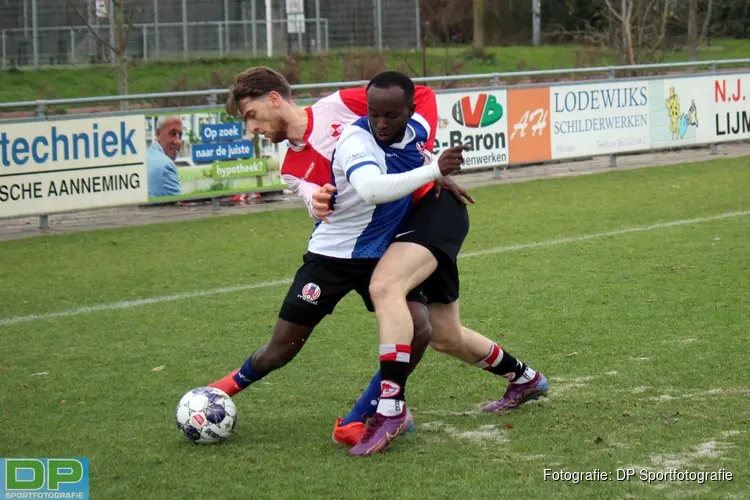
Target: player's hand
321,202
451,159
460,193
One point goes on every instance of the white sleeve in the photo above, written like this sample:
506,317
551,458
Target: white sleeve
354,154
303,189
375,187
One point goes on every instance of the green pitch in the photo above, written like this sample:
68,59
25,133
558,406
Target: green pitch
629,290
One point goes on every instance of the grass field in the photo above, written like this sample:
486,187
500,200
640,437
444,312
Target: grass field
85,81
627,289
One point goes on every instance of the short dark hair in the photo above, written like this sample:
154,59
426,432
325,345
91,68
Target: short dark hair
256,83
388,79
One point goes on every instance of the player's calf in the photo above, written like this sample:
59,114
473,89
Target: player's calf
286,342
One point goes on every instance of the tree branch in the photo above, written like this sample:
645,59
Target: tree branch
644,21
129,21
614,12
662,29
90,28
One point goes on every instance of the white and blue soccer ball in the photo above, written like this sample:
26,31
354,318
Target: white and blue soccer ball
206,415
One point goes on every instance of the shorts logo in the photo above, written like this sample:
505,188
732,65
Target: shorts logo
334,129
388,389
310,293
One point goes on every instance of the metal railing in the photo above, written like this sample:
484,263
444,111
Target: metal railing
149,41
493,79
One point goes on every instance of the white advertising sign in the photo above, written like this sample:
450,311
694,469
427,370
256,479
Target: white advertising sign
730,108
295,16
599,119
478,120
56,166
699,110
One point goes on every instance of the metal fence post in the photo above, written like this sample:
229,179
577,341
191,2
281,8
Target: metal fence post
157,45
34,34
496,170
184,31
72,46
253,21
145,41
379,24
714,146
221,40
318,45
418,27
5,64
41,109
612,76
226,30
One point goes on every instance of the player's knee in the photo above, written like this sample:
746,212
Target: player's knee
382,290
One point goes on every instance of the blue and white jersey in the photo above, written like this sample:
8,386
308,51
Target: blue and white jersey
357,229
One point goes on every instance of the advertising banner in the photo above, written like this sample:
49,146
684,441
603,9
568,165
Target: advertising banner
529,125
678,107
730,108
55,166
216,158
478,120
599,119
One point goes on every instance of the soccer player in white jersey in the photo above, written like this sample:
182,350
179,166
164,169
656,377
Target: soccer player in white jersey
428,243
262,98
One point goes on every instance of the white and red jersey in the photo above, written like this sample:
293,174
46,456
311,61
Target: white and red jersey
308,167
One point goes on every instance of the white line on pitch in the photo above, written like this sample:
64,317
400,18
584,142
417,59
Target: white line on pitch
127,304
574,239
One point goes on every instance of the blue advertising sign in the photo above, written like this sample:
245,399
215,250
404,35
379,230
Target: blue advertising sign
209,153
221,132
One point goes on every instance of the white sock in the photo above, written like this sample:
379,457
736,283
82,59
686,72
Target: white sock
390,407
526,377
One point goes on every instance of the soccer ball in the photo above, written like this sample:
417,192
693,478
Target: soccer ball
206,415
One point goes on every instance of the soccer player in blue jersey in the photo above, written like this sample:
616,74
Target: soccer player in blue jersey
427,242
262,98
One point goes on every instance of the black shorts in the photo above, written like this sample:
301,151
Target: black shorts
440,225
322,282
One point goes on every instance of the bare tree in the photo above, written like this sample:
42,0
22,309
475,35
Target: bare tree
478,38
644,25
707,21
626,25
692,30
123,11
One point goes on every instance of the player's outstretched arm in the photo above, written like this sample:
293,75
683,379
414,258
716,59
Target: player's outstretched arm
375,187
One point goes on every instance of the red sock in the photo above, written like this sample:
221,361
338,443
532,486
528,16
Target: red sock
227,384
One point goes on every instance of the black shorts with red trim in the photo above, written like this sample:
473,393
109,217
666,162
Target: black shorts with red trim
440,225
323,281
